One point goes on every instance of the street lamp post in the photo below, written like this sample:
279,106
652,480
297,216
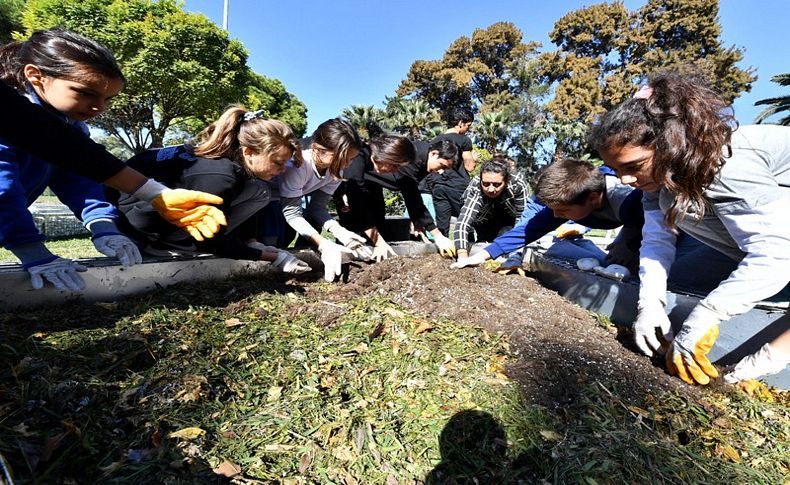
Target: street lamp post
225,16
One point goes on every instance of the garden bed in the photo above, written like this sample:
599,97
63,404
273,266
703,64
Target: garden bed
409,373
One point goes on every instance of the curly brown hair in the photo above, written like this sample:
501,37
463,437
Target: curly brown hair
687,124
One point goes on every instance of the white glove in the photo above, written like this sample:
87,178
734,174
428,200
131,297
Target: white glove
118,246
651,317
445,245
475,260
332,257
382,251
287,263
766,361
352,241
61,272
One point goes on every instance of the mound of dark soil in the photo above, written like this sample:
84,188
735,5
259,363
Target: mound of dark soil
560,348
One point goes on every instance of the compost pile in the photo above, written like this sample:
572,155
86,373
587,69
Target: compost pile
561,347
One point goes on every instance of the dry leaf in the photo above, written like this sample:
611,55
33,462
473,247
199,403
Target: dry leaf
729,452
279,447
227,469
343,453
112,467
193,386
21,428
550,435
393,312
233,322
423,327
305,461
274,393
71,428
187,433
361,348
496,364
721,422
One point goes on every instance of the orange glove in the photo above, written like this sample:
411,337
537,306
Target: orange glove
187,209
687,357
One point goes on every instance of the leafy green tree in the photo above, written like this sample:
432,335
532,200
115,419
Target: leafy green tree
493,71
604,51
271,96
474,72
182,70
114,146
778,105
414,118
10,18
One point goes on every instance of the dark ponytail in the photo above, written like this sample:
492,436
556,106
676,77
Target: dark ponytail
58,53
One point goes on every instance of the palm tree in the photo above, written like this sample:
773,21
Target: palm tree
414,118
776,105
491,129
364,118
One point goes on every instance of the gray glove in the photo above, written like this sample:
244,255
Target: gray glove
61,272
118,246
288,263
285,261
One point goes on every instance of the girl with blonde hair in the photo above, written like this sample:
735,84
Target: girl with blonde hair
234,158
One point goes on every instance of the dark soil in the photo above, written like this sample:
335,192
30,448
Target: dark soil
560,348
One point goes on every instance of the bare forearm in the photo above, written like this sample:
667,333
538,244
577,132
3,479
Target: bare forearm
127,180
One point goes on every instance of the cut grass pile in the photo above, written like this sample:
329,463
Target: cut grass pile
190,384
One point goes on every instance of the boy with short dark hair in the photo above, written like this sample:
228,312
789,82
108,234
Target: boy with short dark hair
578,191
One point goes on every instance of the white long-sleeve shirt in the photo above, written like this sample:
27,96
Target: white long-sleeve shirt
297,182
747,218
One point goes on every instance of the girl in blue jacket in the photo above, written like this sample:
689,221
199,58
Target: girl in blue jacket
73,78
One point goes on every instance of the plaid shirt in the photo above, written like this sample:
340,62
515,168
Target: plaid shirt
478,208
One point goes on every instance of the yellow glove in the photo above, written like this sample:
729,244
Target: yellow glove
187,209
569,230
513,264
687,357
446,246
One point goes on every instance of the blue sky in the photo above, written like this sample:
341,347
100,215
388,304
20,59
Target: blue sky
335,53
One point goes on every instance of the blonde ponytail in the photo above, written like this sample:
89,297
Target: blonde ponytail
225,137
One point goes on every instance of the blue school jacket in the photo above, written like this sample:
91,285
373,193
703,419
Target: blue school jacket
23,178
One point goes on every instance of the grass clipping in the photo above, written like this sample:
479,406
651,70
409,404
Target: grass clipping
261,391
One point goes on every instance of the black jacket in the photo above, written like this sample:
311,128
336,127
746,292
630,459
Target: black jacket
178,168
361,172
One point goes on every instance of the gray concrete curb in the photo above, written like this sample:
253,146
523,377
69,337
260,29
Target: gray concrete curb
107,281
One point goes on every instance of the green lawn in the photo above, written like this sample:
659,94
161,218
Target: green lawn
73,248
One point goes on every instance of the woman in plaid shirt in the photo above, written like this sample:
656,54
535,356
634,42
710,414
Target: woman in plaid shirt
492,202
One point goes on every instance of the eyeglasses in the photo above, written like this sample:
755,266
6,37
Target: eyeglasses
495,185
